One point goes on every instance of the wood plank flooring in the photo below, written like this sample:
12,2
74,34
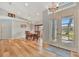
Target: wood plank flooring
22,48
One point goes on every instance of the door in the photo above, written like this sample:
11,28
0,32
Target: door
67,31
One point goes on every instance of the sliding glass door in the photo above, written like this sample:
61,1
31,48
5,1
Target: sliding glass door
67,31
63,32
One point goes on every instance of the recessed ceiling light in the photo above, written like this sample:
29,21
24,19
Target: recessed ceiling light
26,4
37,14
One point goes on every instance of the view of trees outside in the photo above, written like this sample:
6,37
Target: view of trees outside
67,29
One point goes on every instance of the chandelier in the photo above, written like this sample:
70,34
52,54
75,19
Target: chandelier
53,7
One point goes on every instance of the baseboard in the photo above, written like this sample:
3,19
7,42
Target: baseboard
64,48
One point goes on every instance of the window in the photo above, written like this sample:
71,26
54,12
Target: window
67,29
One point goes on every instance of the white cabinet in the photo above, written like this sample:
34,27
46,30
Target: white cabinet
5,29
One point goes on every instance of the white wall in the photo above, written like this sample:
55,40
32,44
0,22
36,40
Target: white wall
77,27
10,28
17,30
45,26
3,12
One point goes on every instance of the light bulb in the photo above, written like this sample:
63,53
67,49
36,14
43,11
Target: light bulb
26,4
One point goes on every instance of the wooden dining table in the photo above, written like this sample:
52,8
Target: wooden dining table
32,36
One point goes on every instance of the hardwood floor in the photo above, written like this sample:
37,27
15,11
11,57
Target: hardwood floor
23,48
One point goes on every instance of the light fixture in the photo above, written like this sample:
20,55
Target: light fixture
57,4
54,6
37,14
26,4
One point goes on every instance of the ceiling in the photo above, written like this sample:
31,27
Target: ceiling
30,10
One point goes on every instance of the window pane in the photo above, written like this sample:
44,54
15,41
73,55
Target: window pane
67,29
